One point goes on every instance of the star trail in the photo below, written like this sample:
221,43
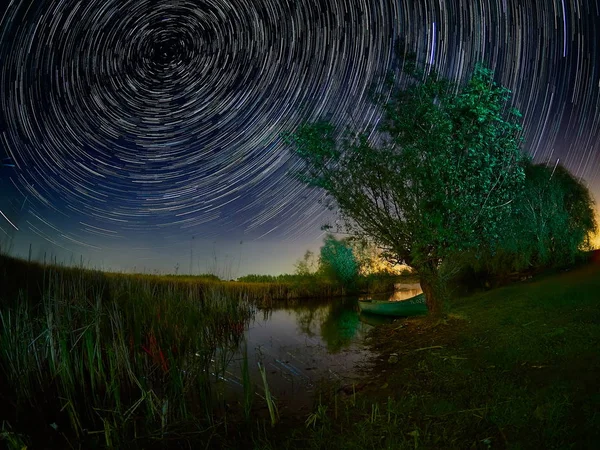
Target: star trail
138,133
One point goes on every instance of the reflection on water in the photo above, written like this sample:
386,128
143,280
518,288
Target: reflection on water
404,294
301,344
375,319
340,326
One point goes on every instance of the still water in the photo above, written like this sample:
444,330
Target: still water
303,344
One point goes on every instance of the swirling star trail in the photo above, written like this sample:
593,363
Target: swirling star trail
141,128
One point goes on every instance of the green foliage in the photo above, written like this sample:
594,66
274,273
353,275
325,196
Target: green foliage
441,183
558,212
550,225
337,261
254,278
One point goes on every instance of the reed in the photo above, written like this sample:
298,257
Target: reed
273,413
112,357
247,385
13,440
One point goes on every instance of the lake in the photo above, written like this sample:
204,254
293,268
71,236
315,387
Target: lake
303,344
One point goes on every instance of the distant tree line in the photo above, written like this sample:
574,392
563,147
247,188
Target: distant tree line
347,262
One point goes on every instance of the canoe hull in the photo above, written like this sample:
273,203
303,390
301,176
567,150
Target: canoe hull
414,306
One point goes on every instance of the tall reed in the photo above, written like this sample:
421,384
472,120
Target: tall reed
247,384
117,356
273,413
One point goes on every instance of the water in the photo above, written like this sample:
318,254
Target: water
404,294
303,344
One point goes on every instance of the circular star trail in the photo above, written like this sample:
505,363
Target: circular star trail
162,119
161,113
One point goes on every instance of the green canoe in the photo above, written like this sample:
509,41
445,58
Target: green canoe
414,306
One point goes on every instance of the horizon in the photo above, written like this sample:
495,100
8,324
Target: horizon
149,135
224,272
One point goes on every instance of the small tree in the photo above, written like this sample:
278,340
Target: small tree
307,265
369,258
441,183
337,261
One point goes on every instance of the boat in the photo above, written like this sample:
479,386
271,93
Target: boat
413,306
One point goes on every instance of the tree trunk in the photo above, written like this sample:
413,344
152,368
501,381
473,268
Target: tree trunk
432,288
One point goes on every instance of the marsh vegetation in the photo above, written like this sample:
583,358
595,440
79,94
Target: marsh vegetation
121,360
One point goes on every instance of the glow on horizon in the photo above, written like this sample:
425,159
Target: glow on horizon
595,241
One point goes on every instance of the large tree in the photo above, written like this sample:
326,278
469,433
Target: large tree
440,182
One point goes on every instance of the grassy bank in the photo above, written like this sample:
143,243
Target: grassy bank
511,368
22,276
98,359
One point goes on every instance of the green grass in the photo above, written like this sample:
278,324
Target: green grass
512,368
93,359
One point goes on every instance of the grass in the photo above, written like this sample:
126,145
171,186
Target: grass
95,359
511,368
273,414
20,276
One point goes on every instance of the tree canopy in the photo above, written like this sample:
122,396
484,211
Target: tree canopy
551,223
442,181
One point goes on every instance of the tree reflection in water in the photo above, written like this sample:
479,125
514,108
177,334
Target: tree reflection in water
341,325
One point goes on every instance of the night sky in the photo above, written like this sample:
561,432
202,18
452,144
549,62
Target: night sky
146,134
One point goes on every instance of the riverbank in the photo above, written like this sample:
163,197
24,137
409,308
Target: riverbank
512,367
515,367
21,277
